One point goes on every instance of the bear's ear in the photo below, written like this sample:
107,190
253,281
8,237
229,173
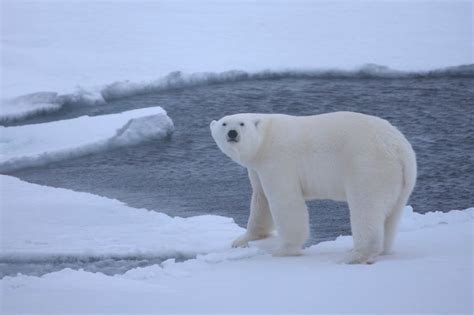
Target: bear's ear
212,123
256,122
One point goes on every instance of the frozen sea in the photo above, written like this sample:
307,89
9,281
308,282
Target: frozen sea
186,174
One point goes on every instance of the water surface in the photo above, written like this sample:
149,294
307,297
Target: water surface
187,175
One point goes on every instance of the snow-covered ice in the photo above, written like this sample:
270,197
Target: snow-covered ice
40,221
38,144
430,270
77,48
39,103
30,105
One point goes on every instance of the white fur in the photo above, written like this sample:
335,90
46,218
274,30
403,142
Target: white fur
342,156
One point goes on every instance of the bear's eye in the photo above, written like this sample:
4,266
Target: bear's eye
242,124
224,124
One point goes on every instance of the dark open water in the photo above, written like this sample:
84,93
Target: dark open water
187,175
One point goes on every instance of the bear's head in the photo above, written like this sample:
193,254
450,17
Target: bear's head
239,136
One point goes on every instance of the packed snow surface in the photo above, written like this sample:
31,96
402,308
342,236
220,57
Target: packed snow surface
430,270
38,144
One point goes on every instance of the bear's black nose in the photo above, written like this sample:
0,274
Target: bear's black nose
232,134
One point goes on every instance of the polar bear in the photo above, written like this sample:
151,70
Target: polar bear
343,156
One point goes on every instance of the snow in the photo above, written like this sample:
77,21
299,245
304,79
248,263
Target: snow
79,47
429,272
38,144
59,222
30,105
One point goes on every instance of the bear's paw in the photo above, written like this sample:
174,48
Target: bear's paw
241,241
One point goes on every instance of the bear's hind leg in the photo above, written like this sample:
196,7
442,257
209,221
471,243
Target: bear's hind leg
371,192
391,224
367,216
368,239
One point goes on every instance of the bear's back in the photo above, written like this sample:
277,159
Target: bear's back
336,133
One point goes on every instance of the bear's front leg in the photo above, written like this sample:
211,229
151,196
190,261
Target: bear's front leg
260,224
289,211
292,223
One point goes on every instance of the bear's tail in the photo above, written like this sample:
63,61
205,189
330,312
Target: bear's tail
409,172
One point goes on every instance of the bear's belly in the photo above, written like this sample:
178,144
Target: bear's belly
324,191
322,178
